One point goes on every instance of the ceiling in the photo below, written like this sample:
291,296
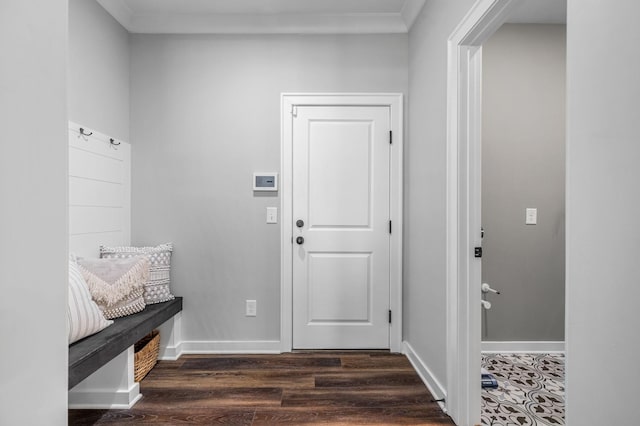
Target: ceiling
540,12
292,16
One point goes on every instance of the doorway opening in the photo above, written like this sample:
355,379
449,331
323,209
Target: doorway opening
523,211
464,238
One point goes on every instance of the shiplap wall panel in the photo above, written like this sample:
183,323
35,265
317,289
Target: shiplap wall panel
85,244
96,143
89,165
95,220
86,192
99,192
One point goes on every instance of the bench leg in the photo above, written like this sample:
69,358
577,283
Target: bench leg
111,387
171,338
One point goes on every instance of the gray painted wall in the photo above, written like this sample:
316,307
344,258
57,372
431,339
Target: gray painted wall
33,217
603,200
523,165
98,70
425,161
205,116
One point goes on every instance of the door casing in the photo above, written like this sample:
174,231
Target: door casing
288,103
464,112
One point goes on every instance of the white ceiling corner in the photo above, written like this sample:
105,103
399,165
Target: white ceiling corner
410,12
119,10
265,16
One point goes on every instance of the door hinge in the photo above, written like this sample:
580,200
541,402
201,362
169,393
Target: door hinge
390,136
294,110
389,316
389,226
477,252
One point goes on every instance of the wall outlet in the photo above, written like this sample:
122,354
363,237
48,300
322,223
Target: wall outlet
251,308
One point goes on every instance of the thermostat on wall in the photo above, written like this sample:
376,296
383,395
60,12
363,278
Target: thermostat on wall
265,181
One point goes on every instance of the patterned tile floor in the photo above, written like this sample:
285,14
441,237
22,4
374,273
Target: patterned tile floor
530,391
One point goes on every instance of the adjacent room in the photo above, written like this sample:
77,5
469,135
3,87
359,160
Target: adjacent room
523,263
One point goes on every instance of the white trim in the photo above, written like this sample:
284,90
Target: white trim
463,205
532,347
120,399
155,22
171,353
288,102
230,347
435,387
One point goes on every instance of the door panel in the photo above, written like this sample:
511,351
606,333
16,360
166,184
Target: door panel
339,287
341,193
340,173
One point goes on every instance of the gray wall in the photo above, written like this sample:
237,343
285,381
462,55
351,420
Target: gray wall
98,70
523,165
603,200
205,116
425,161
33,217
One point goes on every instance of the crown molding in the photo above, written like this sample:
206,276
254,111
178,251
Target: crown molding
213,23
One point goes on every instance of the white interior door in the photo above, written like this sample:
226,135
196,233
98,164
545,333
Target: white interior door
341,227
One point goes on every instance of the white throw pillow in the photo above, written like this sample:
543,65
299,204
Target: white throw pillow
84,318
116,285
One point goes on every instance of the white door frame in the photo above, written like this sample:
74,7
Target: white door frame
464,112
395,103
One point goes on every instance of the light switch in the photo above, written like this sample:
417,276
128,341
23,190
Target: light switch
251,308
272,215
531,217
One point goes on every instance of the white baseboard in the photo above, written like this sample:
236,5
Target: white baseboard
230,347
110,400
434,386
523,347
170,353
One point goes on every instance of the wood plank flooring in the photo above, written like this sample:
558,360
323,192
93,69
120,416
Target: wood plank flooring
301,388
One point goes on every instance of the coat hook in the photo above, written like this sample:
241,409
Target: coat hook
83,133
113,142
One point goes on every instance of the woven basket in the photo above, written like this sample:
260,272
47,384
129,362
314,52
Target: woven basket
146,354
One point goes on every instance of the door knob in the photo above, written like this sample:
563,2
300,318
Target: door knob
299,223
300,240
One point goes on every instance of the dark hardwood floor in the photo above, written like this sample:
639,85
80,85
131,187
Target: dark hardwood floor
330,388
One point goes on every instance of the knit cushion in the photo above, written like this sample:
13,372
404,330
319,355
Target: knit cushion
84,318
116,285
157,288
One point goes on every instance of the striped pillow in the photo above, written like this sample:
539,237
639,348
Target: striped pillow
157,288
84,318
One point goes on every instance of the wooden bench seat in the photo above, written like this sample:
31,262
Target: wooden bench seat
89,354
